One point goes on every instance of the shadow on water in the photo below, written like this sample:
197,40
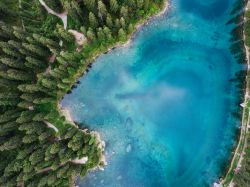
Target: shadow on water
237,47
140,155
206,12
238,50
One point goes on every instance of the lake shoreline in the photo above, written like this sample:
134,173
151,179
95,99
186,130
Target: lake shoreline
65,111
238,151
130,39
164,9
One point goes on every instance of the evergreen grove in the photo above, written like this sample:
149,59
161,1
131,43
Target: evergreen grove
39,63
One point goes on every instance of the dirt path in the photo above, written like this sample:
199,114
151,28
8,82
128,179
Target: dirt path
245,126
79,37
63,16
51,126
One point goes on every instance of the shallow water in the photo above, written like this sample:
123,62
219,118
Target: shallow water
164,104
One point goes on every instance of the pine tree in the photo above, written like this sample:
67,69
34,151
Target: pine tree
70,133
130,28
7,127
44,135
12,63
77,9
123,23
63,34
28,88
8,95
90,34
122,34
48,83
8,102
25,152
20,34
37,156
35,64
12,52
19,75
46,41
113,6
11,143
29,138
36,50
25,105
101,9
100,34
117,24
39,117
27,167
8,84
109,21
9,50
14,44
108,33
124,12
55,148
67,155
9,115
90,4
92,20
26,116
6,29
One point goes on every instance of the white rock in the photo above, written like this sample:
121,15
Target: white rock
217,185
83,160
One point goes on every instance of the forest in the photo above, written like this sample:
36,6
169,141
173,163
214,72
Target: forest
40,62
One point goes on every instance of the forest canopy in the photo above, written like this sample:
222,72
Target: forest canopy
40,61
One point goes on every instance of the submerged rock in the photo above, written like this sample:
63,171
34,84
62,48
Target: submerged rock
129,148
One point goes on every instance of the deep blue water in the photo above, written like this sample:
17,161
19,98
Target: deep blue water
164,104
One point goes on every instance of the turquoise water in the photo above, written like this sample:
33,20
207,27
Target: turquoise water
165,104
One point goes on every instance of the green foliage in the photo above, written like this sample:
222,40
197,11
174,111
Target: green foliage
39,63
92,20
242,176
114,6
55,5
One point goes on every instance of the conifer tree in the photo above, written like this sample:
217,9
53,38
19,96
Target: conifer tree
90,4
130,28
124,12
101,9
92,20
90,35
109,21
12,63
100,34
113,6
122,34
123,23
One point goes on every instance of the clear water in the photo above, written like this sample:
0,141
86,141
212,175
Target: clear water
164,104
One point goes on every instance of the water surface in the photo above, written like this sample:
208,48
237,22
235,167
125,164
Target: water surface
164,104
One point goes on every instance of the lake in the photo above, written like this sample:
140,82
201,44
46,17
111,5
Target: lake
168,104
